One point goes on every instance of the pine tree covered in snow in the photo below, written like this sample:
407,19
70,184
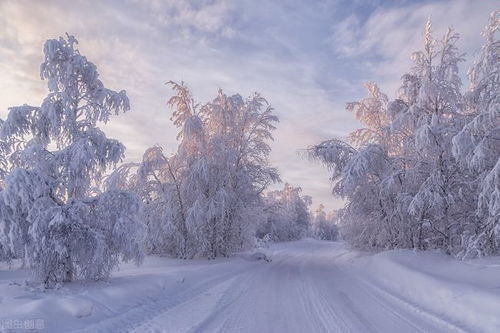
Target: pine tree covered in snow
53,212
423,173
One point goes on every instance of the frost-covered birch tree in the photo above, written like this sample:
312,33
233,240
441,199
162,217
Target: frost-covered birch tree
477,146
429,110
365,174
206,199
239,131
53,212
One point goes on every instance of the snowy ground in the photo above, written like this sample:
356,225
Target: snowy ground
309,286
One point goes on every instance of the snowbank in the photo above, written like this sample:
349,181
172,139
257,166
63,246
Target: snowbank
79,305
466,293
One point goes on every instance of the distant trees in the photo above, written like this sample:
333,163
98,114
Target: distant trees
323,225
287,214
206,199
52,211
424,171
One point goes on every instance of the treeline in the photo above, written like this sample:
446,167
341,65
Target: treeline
69,211
424,172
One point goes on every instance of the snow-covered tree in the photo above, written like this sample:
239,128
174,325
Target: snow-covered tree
423,172
53,212
157,180
205,200
238,132
365,174
427,114
477,146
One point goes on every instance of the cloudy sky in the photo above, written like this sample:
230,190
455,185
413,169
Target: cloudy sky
308,58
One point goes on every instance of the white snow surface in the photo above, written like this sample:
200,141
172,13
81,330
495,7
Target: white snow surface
307,286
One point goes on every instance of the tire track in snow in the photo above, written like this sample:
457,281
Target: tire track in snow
234,313
330,317
147,311
348,304
185,316
324,315
246,308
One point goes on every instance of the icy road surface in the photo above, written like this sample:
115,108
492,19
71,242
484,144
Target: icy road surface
309,286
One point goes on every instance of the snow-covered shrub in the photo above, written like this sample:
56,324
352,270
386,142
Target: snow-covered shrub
53,213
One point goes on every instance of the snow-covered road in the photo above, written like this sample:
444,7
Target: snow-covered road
305,288
309,286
